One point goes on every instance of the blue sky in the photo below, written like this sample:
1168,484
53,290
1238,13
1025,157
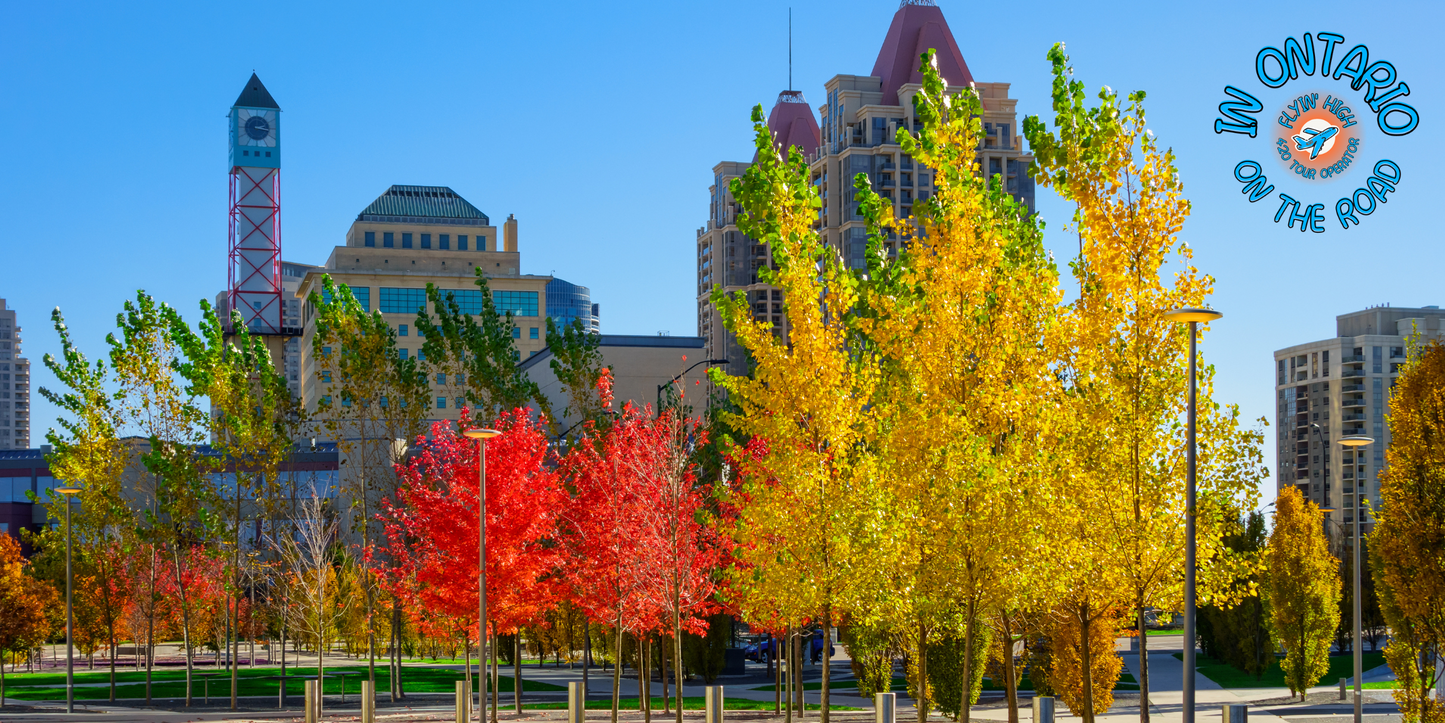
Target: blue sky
598,124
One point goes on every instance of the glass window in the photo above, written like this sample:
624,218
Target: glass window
420,355
326,399
533,333
406,240
402,301
426,240
461,242
460,378
519,303
370,238
401,329
446,240
403,353
441,402
326,377
481,243
387,239
441,378
516,332
325,352
468,300
444,243
459,403
382,401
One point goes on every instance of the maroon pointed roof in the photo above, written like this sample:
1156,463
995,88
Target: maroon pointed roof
792,123
917,26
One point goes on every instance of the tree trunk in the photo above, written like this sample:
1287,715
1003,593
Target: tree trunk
787,654
966,706
151,624
827,663
1143,667
177,555
395,658
1088,664
677,653
496,676
921,685
517,670
662,674
617,669
467,669
644,677
1011,689
798,675
112,664
586,655
775,669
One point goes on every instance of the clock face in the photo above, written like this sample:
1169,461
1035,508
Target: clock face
257,128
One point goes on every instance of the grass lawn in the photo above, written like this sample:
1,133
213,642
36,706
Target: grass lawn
689,703
1227,676
171,683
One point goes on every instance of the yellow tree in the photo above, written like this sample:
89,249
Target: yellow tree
1302,590
24,601
1409,534
807,398
963,321
1127,369
88,452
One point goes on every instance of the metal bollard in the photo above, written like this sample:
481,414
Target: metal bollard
368,702
310,702
713,700
1344,682
1235,713
1043,709
463,701
576,703
884,708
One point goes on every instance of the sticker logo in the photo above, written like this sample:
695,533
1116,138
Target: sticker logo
1319,133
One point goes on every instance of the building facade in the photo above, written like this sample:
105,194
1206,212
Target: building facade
642,366
409,237
859,123
14,384
567,302
1338,387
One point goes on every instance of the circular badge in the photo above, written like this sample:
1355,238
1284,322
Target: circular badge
1316,137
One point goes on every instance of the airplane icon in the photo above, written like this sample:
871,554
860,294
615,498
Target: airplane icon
1316,142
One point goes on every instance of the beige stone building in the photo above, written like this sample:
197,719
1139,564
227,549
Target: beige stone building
14,384
1337,387
859,122
641,365
409,237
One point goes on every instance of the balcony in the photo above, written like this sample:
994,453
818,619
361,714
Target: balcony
1356,417
1353,359
1358,402
1353,388
1352,373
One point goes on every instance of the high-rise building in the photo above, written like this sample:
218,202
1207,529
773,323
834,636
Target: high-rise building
568,302
409,237
860,120
14,384
1338,387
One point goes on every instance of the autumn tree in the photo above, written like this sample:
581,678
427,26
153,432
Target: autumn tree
1127,365
174,484
809,397
88,452
373,400
1302,589
1237,634
1409,533
24,601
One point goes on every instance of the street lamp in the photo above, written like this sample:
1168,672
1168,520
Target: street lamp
481,435
661,387
1193,317
1353,441
69,492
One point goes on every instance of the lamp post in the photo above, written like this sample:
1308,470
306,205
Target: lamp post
481,435
1353,441
69,492
1193,317
661,387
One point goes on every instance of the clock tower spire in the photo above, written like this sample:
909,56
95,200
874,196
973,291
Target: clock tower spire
254,254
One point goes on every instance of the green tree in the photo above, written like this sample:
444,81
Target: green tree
1302,590
1409,534
1237,634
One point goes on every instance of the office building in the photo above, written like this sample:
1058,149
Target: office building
14,384
642,366
1337,387
411,236
568,302
859,122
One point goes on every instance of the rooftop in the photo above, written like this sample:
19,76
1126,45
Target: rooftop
255,95
420,204
917,26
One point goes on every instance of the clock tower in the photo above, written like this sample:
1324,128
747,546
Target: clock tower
254,258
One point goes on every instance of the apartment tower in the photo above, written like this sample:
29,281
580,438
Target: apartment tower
859,122
14,384
1337,387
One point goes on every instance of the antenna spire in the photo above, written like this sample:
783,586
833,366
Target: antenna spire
790,48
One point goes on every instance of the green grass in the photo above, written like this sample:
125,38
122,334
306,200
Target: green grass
689,703
1126,682
1227,676
171,683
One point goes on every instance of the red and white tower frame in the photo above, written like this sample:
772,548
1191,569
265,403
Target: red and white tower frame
253,260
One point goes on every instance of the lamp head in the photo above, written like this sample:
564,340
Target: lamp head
68,491
481,433
1356,440
1191,314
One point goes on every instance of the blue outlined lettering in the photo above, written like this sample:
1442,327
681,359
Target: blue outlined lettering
1259,67
1254,183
